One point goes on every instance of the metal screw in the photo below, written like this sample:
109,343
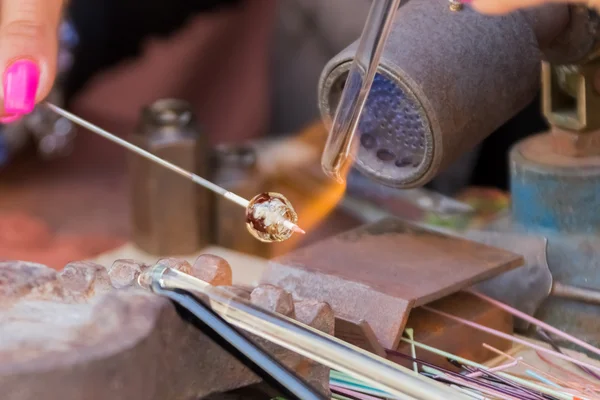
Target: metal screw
455,5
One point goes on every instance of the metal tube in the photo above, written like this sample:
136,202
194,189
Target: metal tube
146,154
583,295
164,163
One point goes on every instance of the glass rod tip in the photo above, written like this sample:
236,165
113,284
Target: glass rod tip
290,225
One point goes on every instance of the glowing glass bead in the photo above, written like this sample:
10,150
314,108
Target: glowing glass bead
265,216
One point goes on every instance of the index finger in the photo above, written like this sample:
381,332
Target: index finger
28,51
496,7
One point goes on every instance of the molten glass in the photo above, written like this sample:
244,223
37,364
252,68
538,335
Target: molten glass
266,217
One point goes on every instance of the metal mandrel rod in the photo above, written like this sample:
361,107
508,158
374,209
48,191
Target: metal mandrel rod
164,163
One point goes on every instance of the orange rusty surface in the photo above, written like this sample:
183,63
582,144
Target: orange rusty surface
85,192
65,210
403,261
54,212
26,238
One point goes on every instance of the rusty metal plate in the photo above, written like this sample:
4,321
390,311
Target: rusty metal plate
403,260
359,334
379,272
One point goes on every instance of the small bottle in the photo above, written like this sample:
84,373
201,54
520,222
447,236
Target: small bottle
236,170
170,214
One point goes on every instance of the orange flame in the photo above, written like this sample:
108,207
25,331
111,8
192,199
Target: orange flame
294,170
322,193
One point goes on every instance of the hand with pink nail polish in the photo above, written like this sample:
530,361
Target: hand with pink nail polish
506,6
28,54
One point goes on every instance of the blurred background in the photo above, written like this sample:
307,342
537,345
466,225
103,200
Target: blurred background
249,70
305,34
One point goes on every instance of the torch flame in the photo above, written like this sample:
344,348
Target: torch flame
294,166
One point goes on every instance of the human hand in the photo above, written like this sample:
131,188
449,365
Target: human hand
506,6
28,53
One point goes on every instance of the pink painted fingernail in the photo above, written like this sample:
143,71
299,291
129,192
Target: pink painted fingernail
21,81
466,1
9,118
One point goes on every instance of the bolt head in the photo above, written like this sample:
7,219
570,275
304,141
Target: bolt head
455,7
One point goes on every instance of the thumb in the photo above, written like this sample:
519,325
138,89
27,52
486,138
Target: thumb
28,53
